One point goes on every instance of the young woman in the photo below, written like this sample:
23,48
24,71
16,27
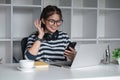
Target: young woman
48,43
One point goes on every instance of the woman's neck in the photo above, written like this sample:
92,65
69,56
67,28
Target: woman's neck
46,31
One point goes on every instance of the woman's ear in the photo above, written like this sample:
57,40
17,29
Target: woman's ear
43,21
43,24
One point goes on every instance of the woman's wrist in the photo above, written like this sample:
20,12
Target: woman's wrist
39,39
40,36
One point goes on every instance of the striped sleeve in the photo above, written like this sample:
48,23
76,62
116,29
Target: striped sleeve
30,41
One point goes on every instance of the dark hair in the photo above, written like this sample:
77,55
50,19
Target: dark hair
49,11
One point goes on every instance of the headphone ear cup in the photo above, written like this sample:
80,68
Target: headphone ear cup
47,36
55,36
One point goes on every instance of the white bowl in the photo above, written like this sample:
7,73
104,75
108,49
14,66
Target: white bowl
26,63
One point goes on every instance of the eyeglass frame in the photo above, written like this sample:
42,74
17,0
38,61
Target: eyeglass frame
54,21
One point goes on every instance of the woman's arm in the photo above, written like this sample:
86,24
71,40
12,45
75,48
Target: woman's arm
35,48
33,45
30,43
36,45
70,53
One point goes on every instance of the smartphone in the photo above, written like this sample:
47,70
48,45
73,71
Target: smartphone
72,45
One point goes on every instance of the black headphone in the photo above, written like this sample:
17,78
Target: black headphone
49,36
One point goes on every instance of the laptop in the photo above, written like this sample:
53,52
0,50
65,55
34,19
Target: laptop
87,55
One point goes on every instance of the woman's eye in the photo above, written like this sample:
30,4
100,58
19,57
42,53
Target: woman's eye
52,21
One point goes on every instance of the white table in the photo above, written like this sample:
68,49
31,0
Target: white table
99,72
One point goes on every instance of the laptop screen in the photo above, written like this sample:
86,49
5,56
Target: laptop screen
88,55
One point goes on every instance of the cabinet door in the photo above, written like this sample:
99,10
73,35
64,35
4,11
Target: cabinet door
85,3
62,3
26,2
109,3
5,22
5,52
66,26
109,24
5,1
84,24
23,21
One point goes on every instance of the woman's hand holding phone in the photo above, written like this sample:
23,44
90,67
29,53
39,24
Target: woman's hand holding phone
70,51
37,24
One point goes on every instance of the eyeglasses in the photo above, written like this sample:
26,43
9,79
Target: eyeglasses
52,22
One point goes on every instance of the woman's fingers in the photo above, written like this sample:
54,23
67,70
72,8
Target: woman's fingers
70,54
37,24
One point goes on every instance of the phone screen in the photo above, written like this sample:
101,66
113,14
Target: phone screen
72,45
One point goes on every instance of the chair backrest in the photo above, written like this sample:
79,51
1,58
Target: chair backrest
23,45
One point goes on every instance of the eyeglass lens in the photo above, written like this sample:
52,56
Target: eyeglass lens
52,22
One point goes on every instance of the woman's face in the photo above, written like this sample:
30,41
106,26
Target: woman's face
53,23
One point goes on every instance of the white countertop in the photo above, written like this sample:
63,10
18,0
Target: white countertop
99,72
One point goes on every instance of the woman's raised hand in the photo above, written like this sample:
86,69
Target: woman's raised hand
37,24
